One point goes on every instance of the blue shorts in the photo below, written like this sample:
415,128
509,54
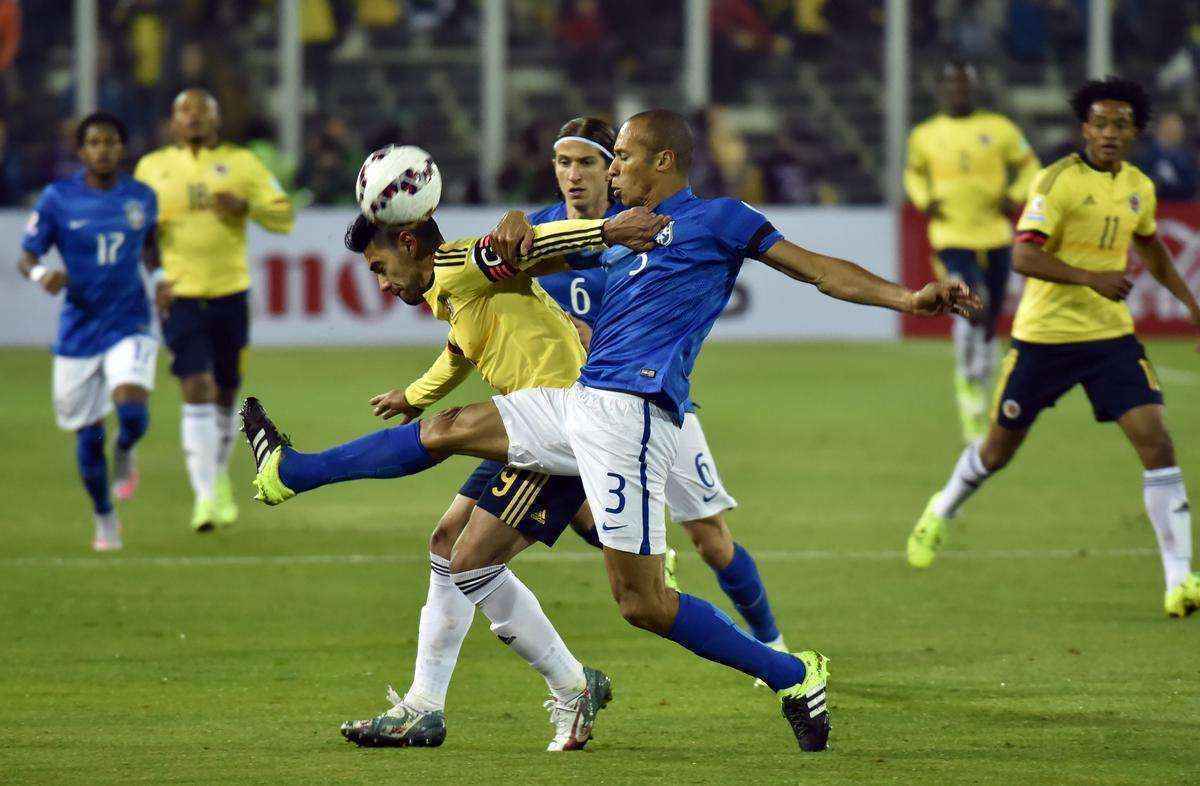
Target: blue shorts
208,335
1114,373
538,506
986,273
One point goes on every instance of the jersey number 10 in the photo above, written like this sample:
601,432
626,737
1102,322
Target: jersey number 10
107,246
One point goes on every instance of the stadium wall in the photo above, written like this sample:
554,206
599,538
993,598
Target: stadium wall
309,291
1155,310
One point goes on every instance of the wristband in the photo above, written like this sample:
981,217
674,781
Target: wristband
37,273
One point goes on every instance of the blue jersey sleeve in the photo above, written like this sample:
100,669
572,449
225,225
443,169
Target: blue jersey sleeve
41,232
740,229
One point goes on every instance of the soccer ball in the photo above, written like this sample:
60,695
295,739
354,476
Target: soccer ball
398,185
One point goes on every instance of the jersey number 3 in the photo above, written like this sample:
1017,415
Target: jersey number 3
107,246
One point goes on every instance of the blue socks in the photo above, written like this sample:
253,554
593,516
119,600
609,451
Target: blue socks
742,584
707,631
390,453
134,418
89,452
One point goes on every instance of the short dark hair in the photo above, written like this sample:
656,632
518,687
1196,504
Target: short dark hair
362,231
1113,89
592,128
101,118
667,130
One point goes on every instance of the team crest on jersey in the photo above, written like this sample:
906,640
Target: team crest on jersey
1037,209
221,169
1011,409
665,235
985,140
489,262
1135,204
135,214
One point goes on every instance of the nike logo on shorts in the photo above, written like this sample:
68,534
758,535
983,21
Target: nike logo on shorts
607,528
76,224
711,497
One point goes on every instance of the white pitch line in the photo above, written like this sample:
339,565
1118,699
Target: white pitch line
1178,376
541,556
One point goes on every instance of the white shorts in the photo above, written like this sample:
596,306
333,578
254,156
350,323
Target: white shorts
694,487
83,386
621,447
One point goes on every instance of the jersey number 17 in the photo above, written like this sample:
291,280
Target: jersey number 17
107,246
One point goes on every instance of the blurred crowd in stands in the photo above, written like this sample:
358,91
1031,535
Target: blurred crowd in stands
796,84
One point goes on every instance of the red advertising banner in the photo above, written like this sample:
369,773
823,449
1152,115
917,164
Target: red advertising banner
1155,310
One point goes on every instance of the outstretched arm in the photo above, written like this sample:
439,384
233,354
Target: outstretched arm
1158,262
541,250
847,281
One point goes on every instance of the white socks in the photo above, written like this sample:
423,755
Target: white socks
975,356
968,475
1167,506
227,432
518,621
445,620
200,443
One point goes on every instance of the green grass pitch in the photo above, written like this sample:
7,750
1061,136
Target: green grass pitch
1036,651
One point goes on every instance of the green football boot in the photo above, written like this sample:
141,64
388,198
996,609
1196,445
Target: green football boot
972,408
926,538
400,727
1184,598
804,705
266,444
669,577
204,515
226,508
573,720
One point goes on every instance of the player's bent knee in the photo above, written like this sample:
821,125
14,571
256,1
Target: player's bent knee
712,540
198,388
645,610
132,394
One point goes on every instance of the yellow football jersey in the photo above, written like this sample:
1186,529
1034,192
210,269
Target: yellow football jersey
501,320
1087,219
202,255
969,164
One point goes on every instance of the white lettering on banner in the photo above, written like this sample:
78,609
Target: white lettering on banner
308,290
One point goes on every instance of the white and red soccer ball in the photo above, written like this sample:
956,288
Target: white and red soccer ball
398,185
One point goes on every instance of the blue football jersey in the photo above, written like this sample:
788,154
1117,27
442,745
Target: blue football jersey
100,234
660,305
580,290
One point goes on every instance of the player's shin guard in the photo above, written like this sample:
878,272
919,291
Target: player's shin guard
710,633
445,620
134,417
518,621
969,474
1169,512
389,453
741,582
93,468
